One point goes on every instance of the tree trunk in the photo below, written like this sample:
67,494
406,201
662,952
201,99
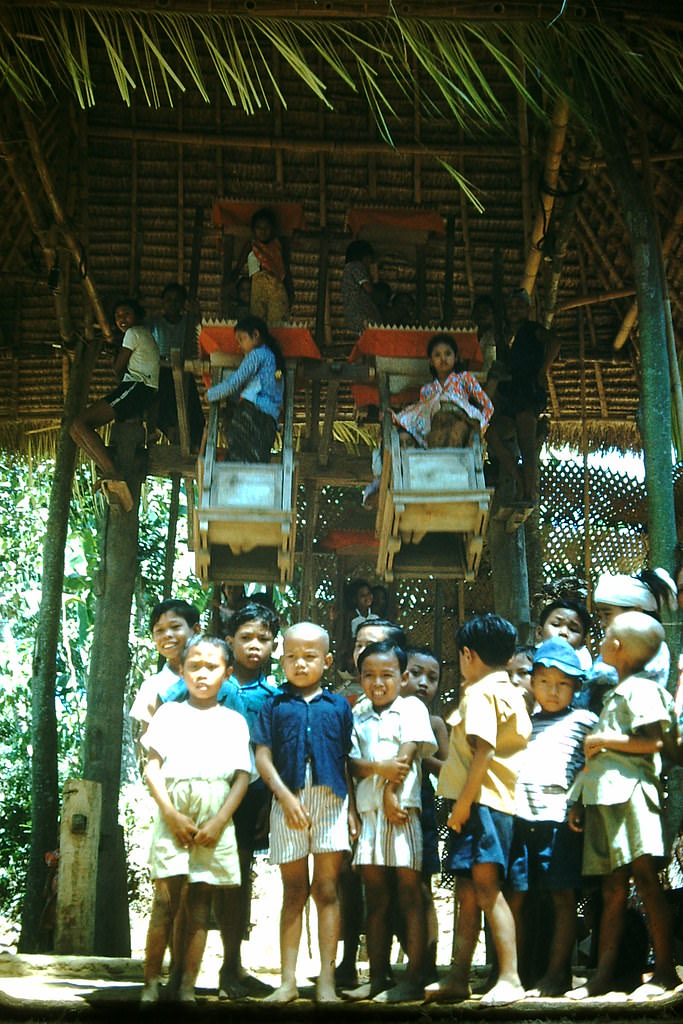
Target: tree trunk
44,783
109,665
655,379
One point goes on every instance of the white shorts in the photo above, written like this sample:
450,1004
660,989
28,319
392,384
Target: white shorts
200,799
327,833
390,846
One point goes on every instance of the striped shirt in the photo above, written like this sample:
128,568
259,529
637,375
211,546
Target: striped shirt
550,763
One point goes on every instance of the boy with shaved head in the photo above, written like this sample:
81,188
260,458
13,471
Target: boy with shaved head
302,740
617,801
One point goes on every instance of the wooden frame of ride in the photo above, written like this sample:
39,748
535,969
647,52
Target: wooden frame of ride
433,503
245,522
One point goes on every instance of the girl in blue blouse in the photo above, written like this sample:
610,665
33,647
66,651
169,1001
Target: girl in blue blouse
255,391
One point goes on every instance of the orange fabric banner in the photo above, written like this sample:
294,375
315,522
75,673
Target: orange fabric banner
235,215
294,342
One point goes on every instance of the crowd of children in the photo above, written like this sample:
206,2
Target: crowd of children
542,793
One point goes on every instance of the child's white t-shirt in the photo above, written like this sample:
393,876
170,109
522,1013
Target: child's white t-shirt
199,743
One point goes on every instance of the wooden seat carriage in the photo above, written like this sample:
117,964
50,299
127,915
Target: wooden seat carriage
245,522
433,503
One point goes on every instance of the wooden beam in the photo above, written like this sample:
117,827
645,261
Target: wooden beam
68,235
328,422
330,147
666,12
594,300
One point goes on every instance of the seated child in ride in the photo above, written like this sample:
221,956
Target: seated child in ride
391,734
271,288
357,287
251,633
137,367
197,771
451,406
546,854
423,672
256,391
617,801
302,739
489,732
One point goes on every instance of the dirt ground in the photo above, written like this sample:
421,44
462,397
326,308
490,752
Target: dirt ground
47,988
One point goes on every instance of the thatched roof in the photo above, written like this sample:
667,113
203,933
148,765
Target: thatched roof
144,112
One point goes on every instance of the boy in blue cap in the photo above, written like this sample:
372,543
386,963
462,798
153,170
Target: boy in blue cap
545,855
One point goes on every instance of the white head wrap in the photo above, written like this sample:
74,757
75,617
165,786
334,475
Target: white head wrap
624,592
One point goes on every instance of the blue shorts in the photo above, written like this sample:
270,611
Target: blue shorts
486,838
545,856
251,817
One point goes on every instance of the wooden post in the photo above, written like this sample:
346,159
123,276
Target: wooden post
79,838
449,270
169,553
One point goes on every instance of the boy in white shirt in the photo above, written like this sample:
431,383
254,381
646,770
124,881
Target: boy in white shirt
390,737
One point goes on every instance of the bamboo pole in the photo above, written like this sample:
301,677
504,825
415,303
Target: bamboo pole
589,312
547,200
595,300
525,172
563,233
667,245
69,237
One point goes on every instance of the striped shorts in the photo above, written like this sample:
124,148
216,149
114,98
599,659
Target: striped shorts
391,846
327,833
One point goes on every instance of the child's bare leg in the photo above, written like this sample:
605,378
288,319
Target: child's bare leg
376,883
558,973
326,871
659,921
516,902
614,893
83,433
294,896
167,893
486,881
432,927
456,983
409,885
197,911
228,907
351,894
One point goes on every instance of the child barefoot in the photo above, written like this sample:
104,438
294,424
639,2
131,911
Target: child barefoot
489,731
197,771
390,736
619,807
302,739
545,855
423,673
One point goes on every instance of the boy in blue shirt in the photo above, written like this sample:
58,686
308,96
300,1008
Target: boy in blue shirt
302,740
251,633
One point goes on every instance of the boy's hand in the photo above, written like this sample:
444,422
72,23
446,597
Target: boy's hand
393,810
395,770
182,827
209,833
354,824
575,817
296,815
459,815
594,744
